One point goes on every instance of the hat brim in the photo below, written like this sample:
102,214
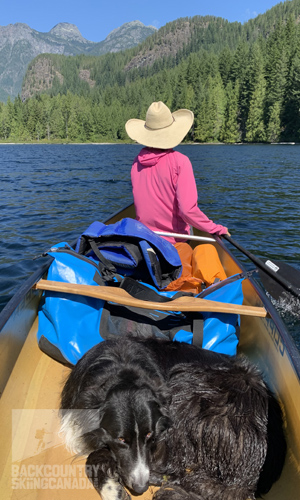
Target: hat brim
163,138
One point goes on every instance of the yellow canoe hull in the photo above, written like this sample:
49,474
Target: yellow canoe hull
34,464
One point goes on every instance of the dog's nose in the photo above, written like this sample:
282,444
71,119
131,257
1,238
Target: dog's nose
140,488
139,478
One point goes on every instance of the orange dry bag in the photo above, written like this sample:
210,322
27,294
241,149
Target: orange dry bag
201,265
207,265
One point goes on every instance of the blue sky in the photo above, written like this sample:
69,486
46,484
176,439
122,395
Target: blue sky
95,19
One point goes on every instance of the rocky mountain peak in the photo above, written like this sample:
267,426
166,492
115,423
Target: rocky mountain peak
67,31
15,31
21,26
128,26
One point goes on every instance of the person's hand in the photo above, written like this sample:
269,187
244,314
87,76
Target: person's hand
228,233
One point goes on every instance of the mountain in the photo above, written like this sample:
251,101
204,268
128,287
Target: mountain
126,36
164,49
242,83
19,44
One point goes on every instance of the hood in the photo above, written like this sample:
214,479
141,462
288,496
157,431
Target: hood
150,156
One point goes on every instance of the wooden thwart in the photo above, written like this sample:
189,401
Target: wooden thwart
120,296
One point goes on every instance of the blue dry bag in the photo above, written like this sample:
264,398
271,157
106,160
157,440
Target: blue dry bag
69,325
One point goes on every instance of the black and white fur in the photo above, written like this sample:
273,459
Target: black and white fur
167,413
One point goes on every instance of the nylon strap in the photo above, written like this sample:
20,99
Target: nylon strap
198,325
107,269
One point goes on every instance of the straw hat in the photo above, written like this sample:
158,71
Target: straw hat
162,129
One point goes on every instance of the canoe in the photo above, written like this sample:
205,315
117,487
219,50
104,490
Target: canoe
34,463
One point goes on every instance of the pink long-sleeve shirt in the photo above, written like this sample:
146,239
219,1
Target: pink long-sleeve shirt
165,193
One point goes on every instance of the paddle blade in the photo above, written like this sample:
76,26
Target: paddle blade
282,270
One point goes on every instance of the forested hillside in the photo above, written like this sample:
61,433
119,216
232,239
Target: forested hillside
242,82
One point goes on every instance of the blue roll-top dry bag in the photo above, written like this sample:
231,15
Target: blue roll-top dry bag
69,325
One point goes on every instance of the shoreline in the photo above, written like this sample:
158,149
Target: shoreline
136,144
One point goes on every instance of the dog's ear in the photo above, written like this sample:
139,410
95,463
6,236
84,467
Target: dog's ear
75,425
162,424
94,439
160,417
164,397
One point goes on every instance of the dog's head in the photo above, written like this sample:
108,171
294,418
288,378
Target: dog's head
132,422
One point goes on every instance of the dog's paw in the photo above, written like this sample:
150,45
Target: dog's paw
112,490
173,492
156,479
101,471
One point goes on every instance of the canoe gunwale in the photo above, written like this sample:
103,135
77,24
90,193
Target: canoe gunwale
17,298
289,344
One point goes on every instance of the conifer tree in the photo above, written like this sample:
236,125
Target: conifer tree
57,119
251,89
211,115
274,125
276,69
255,127
231,131
291,117
180,92
225,62
33,116
6,120
66,106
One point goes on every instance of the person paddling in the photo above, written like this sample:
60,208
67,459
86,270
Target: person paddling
163,182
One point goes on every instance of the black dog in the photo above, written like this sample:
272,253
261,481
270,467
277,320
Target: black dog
226,440
144,411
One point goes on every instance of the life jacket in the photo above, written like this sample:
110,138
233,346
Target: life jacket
129,248
69,325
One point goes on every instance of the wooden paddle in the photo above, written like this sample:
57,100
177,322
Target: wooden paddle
277,277
120,296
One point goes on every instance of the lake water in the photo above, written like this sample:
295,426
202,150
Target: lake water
51,193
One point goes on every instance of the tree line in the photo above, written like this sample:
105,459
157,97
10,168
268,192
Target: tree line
244,91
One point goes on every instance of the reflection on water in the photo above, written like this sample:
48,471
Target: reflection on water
51,193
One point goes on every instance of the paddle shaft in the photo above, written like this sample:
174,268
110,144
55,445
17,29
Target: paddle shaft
266,269
120,296
185,236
